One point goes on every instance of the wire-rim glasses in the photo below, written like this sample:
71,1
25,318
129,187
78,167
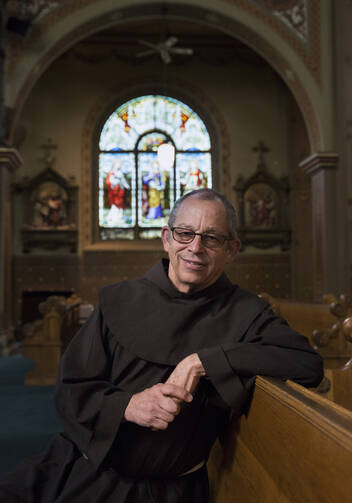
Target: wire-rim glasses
186,236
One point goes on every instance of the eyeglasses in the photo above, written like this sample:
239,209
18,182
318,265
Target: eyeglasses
186,236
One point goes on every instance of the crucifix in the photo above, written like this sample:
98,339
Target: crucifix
48,159
262,149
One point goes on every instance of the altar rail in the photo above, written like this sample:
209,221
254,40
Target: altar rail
293,446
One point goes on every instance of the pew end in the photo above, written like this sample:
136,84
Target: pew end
293,446
328,326
46,339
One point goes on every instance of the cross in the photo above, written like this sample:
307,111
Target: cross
48,158
262,149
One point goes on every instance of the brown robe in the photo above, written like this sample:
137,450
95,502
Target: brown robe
139,332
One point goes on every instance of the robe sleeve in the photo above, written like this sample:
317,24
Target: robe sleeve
90,407
268,348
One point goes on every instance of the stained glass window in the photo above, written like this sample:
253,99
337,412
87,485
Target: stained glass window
135,189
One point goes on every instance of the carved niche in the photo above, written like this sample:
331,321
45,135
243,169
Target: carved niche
49,209
263,202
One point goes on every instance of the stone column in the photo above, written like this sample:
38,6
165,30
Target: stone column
2,71
9,161
343,131
321,167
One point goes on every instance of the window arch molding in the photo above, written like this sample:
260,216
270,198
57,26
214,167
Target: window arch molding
120,100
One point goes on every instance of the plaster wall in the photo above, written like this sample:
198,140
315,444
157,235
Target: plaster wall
53,96
251,101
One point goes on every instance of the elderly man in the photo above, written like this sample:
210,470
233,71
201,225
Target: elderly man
146,386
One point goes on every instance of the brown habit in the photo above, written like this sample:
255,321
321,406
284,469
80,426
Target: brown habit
139,332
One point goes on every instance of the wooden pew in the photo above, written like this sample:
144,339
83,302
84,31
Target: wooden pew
320,323
293,446
326,326
46,339
340,379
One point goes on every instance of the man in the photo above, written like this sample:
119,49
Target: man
146,386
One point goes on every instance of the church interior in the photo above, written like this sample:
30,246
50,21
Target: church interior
256,97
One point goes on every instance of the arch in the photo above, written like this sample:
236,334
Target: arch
283,58
135,189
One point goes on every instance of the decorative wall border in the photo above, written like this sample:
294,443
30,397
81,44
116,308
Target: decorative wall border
247,35
310,53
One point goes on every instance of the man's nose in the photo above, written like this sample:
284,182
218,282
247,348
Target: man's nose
196,246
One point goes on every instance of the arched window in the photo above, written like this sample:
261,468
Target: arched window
137,187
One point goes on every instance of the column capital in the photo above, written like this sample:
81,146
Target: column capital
10,158
319,161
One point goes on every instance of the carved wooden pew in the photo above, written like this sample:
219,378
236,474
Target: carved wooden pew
340,378
46,339
326,326
320,323
293,446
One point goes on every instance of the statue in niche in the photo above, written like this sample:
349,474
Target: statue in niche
263,203
50,206
260,205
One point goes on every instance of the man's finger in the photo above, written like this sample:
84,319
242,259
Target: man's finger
159,424
174,391
171,405
164,415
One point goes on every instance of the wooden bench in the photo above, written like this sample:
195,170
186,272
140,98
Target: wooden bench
329,331
320,323
293,446
46,339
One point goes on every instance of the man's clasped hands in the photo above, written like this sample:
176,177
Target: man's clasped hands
158,406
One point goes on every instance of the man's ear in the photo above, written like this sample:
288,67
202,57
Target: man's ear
234,247
165,237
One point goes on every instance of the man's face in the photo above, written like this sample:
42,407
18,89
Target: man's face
193,266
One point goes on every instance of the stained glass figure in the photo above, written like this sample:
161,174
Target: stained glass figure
194,172
154,203
116,183
135,192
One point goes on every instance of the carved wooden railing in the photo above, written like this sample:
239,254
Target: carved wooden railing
341,309
329,329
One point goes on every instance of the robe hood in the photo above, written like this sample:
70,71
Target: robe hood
160,324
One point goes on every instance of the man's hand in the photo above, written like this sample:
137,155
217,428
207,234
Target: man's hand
157,406
187,373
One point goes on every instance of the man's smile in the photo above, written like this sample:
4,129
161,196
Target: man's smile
193,264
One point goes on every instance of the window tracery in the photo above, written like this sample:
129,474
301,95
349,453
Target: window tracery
135,189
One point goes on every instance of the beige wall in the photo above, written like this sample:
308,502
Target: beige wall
250,101
244,103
